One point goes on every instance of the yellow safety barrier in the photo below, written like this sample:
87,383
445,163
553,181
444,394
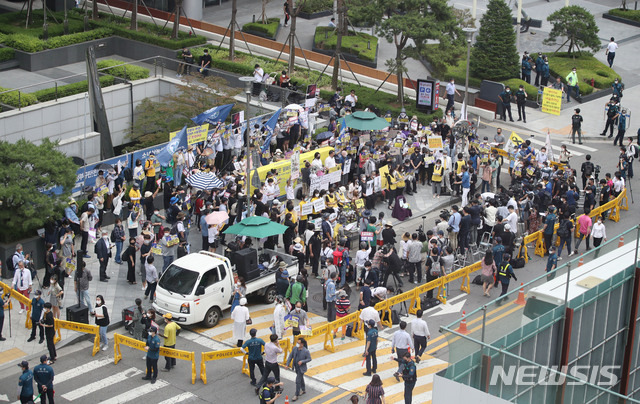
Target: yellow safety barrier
233,352
119,339
20,298
79,327
352,318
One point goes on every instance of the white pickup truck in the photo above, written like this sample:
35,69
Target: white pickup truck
199,287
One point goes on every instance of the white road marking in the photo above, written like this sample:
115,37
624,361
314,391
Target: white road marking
100,384
135,393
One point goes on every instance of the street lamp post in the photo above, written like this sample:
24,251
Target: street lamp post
469,31
248,85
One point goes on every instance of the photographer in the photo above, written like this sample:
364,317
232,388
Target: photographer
4,299
271,391
393,263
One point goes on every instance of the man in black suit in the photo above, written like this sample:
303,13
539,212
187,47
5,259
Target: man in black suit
103,252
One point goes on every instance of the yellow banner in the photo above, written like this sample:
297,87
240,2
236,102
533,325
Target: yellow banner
551,101
515,139
195,135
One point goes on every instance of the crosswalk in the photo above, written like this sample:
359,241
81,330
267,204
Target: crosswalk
343,369
576,150
127,383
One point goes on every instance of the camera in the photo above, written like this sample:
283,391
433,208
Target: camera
277,389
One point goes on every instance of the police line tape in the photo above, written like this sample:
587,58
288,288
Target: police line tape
119,339
20,298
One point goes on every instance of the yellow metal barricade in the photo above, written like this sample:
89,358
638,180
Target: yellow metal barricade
119,339
21,299
79,327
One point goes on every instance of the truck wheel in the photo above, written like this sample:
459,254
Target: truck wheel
270,295
212,317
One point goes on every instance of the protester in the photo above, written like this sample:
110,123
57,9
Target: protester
102,320
171,331
297,361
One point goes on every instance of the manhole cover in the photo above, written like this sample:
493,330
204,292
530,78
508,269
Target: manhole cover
317,297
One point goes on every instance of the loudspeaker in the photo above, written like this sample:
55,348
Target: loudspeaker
246,260
78,314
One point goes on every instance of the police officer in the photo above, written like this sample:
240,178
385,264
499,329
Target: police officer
521,99
25,384
526,68
545,72
267,393
622,127
576,126
409,375
505,273
505,99
617,88
612,117
43,375
153,353
539,68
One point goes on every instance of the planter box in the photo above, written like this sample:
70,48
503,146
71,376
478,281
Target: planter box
311,16
350,57
104,47
261,34
30,245
620,19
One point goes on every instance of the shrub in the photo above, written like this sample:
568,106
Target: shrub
24,43
629,14
16,100
532,91
355,43
128,72
315,6
7,54
269,29
14,23
70,89
71,39
588,68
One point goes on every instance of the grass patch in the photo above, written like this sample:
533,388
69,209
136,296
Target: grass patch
315,6
15,99
633,15
355,43
49,94
269,29
7,54
128,72
588,68
14,23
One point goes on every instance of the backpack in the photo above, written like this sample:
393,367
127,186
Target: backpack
128,174
635,151
84,207
338,257
588,169
113,235
9,262
563,229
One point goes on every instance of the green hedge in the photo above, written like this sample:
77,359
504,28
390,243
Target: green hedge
49,94
14,23
31,44
355,43
269,29
588,67
7,54
128,72
12,98
633,15
514,84
315,6
24,42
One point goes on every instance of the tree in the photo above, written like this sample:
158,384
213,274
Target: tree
134,16
410,24
494,55
232,32
577,25
263,15
27,173
176,21
155,119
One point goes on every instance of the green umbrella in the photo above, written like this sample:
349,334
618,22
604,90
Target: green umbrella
256,226
361,120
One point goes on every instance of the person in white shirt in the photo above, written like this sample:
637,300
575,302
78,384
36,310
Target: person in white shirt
316,164
379,293
401,342
258,74
542,156
370,313
272,189
512,219
22,282
598,232
330,161
611,51
352,98
420,331
289,190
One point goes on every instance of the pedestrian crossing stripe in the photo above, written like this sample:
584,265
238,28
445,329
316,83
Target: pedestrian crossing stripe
132,394
102,383
179,398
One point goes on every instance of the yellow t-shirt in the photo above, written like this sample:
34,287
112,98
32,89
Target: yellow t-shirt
330,201
150,168
134,195
302,217
170,333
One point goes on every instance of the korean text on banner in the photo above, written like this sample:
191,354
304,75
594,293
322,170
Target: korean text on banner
195,135
551,101
435,142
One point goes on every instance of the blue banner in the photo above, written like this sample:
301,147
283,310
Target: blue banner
213,115
270,126
143,155
166,154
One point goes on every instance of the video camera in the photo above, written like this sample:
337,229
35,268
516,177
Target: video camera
278,389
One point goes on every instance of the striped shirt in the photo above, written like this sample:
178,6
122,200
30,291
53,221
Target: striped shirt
342,307
374,393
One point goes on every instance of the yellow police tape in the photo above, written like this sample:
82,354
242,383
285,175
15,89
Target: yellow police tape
79,327
119,339
20,298
233,352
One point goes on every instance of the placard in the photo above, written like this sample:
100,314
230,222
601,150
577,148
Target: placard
369,188
435,142
102,190
291,321
155,249
359,203
366,236
172,240
377,184
304,330
318,205
195,134
306,208
551,101
424,98
69,265
346,167
295,165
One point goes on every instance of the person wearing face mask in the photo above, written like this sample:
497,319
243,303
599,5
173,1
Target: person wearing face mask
240,290
151,275
129,256
297,361
598,232
153,354
103,252
505,99
55,296
300,315
145,252
102,320
168,252
451,93
48,322
552,263
240,316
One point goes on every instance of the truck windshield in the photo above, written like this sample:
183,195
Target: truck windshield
178,280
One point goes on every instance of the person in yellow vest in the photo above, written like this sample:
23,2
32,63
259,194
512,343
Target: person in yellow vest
331,200
401,183
289,209
436,179
392,185
150,171
458,165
